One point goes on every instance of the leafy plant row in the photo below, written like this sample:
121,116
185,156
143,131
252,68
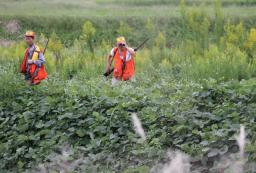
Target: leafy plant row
179,116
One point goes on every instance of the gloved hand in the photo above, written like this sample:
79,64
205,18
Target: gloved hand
30,61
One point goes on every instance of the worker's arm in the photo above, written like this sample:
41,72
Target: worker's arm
109,62
130,50
110,59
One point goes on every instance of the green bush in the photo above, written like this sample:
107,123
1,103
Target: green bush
92,115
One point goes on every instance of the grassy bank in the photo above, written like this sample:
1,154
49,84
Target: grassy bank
65,16
87,8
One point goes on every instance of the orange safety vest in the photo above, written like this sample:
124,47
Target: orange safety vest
129,70
36,78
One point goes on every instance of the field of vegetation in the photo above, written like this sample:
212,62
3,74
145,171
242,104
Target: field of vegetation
195,86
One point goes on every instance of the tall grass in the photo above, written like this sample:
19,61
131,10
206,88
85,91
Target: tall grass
222,53
175,2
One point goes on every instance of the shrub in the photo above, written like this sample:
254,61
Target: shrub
250,44
124,29
56,47
88,33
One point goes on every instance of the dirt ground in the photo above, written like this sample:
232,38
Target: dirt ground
6,43
12,27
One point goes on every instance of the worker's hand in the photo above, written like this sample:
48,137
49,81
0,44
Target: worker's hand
107,69
107,72
30,61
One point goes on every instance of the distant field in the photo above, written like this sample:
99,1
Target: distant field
61,16
123,8
176,2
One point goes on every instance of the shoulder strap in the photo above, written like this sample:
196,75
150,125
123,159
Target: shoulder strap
115,51
124,63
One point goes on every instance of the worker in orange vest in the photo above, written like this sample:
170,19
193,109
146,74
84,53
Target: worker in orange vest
33,63
123,56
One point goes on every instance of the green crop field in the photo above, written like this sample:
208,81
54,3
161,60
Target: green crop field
190,109
122,8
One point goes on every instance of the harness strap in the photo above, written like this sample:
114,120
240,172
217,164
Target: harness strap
123,64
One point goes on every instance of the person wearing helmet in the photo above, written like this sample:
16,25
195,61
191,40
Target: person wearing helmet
33,62
123,56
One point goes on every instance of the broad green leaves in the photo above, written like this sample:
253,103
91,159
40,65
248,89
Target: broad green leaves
199,120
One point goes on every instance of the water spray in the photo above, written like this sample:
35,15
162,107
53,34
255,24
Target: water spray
138,127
